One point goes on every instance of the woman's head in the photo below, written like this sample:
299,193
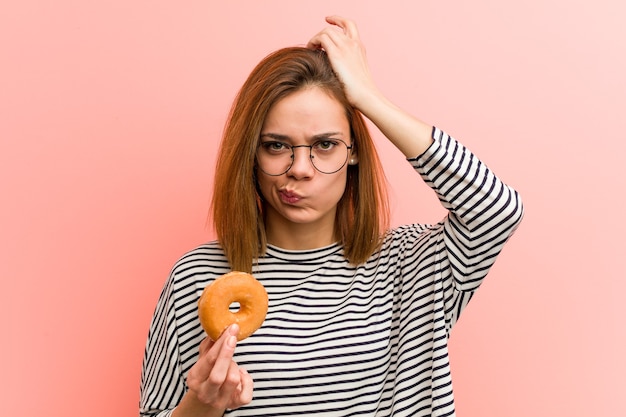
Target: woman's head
238,208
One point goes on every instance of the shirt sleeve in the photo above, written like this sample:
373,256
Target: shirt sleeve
162,382
483,212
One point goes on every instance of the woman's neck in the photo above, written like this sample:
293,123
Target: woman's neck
293,236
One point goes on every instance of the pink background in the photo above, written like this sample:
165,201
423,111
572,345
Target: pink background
110,115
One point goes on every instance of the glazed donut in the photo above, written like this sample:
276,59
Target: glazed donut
234,287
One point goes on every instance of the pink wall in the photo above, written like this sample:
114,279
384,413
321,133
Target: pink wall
110,114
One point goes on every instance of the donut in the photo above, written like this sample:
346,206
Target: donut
234,287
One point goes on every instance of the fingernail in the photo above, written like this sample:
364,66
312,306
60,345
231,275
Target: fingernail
232,341
234,329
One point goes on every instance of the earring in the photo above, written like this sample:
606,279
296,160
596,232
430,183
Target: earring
352,161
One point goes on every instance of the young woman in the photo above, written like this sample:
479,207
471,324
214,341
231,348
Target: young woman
359,314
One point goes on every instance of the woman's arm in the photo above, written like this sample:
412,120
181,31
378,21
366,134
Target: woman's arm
347,56
483,211
213,384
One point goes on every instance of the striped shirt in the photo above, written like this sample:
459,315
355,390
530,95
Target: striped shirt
342,339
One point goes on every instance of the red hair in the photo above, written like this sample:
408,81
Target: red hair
237,208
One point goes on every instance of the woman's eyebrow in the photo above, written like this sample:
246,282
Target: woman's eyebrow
319,136
327,135
275,136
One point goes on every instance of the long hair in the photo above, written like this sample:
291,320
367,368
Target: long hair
237,208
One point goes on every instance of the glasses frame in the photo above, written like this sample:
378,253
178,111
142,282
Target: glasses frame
293,156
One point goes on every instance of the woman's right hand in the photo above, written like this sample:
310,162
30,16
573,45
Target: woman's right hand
215,381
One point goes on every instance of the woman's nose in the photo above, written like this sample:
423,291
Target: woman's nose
301,166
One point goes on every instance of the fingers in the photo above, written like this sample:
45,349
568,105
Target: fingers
330,37
228,386
211,352
348,58
221,361
216,379
347,25
238,387
245,394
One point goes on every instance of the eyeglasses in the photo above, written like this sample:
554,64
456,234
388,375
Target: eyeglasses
327,156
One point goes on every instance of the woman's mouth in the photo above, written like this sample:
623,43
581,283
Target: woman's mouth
289,197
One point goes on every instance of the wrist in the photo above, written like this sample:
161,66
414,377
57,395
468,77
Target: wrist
369,102
191,406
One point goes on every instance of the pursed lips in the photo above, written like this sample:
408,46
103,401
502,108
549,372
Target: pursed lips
289,196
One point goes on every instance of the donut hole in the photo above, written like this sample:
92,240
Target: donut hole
234,307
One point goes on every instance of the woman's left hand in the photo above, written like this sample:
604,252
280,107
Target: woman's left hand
348,59
342,44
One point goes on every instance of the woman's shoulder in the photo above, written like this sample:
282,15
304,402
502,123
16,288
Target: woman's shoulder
206,260
410,232
400,239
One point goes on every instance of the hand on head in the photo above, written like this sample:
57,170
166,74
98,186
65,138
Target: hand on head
342,43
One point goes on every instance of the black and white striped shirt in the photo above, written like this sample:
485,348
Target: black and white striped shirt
344,340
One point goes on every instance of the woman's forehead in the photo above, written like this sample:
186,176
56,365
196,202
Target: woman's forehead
307,114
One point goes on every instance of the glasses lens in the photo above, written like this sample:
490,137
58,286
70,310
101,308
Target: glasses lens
327,156
274,158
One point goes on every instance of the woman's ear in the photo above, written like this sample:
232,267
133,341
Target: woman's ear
354,158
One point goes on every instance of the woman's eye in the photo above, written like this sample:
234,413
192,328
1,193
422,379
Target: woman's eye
274,146
324,145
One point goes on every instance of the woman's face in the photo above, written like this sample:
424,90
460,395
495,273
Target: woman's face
300,204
